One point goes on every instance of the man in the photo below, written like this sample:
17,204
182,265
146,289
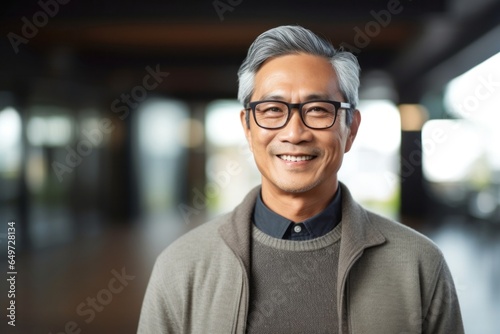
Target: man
299,255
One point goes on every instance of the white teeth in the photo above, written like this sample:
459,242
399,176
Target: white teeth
296,158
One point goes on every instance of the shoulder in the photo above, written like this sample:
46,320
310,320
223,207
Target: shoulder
396,230
195,244
406,243
393,237
193,258
408,259
186,277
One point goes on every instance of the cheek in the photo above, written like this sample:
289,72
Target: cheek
260,140
335,147
341,137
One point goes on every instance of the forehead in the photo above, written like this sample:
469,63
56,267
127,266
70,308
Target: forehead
296,76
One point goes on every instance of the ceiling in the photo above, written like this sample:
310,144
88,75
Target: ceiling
102,48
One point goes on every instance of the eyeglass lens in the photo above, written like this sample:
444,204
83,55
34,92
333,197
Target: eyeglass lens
315,114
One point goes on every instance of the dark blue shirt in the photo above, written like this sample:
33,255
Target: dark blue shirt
280,227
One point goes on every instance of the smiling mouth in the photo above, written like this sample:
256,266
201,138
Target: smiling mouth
295,158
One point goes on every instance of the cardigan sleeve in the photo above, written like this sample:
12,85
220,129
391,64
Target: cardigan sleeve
443,315
156,318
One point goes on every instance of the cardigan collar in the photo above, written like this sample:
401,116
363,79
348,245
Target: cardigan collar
358,233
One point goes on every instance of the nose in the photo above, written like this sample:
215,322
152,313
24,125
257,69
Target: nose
295,131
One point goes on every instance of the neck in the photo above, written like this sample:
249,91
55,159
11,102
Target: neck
298,206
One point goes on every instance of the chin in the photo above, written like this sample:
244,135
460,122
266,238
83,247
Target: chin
295,188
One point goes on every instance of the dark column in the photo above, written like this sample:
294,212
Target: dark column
414,199
413,196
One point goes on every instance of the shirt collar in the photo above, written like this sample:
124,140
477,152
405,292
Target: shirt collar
276,225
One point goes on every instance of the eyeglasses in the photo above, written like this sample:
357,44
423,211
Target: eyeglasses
317,114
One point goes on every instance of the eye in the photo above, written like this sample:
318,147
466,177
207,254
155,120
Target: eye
316,109
271,108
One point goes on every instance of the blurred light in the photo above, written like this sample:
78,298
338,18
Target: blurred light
10,140
380,128
10,128
484,204
476,93
450,149
492,150
58,131
91,122
159,127
223,123
195,133
230,167
161,132
37,128
371,167
475,97
413,117
49,131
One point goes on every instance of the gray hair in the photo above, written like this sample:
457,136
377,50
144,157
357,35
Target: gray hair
286,40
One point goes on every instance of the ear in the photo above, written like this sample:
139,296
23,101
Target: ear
246,128
353,130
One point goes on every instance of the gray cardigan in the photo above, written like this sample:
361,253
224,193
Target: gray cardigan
391,279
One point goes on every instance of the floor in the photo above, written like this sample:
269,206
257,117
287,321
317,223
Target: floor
70,287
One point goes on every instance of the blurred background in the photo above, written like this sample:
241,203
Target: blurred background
119,132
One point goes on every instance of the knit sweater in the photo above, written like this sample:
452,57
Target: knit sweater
291,285
390,278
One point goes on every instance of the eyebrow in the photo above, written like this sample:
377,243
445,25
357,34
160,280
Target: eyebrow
309,97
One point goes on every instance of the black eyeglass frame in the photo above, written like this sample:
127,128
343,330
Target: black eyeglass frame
338,105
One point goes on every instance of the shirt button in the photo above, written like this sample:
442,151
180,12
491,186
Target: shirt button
297,228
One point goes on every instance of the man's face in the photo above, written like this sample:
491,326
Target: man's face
295,158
